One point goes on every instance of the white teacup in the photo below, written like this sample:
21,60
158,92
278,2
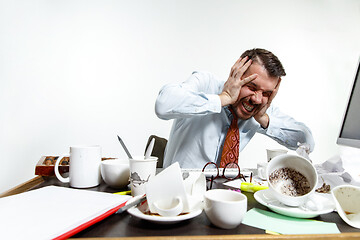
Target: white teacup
295,166
271,153
347,198
225,208
84,169
115,172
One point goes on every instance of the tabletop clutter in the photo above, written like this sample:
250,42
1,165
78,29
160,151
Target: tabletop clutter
288,184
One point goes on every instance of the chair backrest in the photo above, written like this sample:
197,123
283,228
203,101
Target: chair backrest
158,150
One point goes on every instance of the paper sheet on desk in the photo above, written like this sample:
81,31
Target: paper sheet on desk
50,212
287,225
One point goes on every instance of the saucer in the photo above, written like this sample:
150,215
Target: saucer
142,213
265,198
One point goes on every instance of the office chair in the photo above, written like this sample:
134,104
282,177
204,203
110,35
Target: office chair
158,150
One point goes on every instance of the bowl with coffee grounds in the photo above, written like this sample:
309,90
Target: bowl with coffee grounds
292,179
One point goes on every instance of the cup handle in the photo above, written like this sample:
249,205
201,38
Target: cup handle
170,212
262,173
311,204
56,170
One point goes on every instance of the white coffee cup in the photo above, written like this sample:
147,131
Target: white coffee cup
347,199
141,171
300,165
261,170
84,169
271,153
116,172
225,208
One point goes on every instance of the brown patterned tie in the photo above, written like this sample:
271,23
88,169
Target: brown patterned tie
230,152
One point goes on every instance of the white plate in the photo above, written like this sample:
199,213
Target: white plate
138,212
265,198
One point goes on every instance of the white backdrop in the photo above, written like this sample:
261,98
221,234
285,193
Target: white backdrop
81,72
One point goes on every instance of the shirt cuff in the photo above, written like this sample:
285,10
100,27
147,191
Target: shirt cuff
273,127
214,103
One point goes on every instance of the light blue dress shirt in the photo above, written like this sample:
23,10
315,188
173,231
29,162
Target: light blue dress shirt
200,123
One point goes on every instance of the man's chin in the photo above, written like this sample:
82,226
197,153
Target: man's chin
245,116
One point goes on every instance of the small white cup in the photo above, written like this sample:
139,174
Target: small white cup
116,172
261,170
271,153
299,164
225,208
84,166
141,171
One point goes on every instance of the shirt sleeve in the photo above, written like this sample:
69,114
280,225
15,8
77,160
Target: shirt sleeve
286,130
198,95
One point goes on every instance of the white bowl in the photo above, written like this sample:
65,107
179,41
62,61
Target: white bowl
115,172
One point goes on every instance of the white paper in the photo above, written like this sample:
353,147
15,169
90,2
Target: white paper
51,211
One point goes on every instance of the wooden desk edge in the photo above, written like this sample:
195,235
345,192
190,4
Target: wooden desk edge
244,237
23,187
353,235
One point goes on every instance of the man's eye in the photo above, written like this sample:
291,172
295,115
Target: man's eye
252,88
267,94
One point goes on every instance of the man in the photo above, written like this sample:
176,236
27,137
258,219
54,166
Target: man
203,106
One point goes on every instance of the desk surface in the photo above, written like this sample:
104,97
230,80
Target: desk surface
124,225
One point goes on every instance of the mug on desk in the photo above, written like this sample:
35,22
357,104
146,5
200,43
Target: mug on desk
84,166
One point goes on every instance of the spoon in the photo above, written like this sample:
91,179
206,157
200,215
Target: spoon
123,145
150,148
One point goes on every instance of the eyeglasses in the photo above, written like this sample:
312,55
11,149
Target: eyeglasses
231,171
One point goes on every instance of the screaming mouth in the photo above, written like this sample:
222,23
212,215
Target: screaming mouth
248,107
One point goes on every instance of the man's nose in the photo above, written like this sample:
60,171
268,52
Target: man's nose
257,97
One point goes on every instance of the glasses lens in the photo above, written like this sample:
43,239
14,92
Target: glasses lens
210,169
231,171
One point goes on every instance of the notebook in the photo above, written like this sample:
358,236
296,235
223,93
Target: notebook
55,212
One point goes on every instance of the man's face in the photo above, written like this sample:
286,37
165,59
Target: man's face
254,95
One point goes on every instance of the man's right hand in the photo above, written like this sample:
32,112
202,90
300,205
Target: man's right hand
232,86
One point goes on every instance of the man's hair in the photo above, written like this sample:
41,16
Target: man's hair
267,59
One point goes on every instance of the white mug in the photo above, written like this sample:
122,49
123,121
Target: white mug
84,169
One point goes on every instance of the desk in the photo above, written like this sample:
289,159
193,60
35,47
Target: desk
126,226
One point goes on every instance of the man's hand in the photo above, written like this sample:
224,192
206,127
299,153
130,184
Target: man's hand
261,116
232,86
